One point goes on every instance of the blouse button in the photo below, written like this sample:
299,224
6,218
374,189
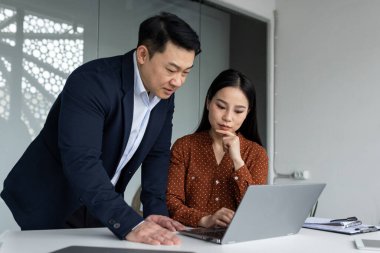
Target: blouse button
216,199
192,178
216,181
236,177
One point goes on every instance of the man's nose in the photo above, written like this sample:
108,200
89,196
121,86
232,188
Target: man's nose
177,81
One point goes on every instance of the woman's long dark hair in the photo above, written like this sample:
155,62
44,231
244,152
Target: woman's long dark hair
234,78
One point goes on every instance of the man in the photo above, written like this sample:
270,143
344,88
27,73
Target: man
113,115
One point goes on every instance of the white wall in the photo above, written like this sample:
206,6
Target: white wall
327,105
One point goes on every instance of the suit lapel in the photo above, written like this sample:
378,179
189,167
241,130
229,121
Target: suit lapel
128,88
152,131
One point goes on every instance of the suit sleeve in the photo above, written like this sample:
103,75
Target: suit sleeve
154,170
255,171
84,108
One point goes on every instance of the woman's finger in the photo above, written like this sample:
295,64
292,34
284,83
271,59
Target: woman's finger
226,133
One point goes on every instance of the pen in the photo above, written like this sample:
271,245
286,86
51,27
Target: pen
353,218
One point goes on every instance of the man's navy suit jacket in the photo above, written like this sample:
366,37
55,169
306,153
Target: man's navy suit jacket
71,161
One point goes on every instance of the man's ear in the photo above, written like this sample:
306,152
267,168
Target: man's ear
142,54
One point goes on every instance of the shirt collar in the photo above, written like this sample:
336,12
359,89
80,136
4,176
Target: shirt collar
139,86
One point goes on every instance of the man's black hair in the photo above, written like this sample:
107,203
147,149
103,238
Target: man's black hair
156,31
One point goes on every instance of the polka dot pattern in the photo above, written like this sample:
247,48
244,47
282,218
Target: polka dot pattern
198,186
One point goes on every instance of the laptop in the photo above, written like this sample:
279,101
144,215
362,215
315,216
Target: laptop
265,211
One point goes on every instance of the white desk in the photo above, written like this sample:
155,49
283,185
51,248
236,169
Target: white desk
306,240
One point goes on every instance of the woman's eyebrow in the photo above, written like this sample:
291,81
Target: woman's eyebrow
236,106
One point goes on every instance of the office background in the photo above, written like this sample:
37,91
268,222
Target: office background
322,79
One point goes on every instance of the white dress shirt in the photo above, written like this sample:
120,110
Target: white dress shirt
143,104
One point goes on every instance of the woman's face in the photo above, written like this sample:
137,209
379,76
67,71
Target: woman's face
227,109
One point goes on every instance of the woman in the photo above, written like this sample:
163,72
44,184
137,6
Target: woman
211,169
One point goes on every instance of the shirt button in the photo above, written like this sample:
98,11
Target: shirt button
236,177
216,199
192,178
216,181
116,225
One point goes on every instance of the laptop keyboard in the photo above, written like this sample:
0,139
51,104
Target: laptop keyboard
216,232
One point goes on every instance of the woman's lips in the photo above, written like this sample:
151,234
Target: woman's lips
224,127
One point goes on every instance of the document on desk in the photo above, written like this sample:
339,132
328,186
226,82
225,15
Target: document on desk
349,227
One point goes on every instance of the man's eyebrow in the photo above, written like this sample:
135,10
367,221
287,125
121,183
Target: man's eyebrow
178,67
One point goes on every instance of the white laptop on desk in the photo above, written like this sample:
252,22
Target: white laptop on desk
265,211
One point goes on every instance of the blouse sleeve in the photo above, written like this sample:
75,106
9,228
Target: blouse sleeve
255,171
176,197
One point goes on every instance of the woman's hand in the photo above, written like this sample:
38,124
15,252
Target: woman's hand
231,144
220,218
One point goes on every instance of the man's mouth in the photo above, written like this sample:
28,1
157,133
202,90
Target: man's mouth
168,92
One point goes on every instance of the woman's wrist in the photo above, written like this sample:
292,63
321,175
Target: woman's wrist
203,221
238,164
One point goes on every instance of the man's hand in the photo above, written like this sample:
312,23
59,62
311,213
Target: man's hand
156,230
221,218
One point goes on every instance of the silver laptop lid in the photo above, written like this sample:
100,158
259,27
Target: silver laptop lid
272,210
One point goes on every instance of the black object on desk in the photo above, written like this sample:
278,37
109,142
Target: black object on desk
353,218
90,249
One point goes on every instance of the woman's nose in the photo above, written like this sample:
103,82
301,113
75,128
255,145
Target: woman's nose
227,116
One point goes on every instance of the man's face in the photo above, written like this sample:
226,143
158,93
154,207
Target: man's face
165,72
